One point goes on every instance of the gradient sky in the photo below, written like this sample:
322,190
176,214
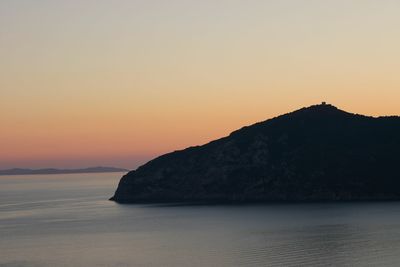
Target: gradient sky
117,82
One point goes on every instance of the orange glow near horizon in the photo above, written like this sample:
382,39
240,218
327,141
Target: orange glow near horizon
101,83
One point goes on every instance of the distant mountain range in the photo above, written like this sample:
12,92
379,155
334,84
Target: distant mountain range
314,153
19,171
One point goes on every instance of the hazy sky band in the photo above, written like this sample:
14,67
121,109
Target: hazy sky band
93,82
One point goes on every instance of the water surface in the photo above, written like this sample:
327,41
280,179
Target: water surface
66,220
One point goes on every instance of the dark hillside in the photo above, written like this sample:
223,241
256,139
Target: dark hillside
315,153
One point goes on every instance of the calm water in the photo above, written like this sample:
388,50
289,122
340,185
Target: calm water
66,220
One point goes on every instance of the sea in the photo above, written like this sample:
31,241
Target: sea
67,220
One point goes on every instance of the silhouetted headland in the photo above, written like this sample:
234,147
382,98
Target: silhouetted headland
20,171
315,153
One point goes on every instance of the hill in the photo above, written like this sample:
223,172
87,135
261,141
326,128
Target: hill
315,153
20,171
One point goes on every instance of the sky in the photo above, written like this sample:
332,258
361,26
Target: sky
87,83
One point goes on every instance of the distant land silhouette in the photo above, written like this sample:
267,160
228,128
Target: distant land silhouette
315,153
19,171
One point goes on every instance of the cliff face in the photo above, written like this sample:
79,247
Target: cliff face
315,153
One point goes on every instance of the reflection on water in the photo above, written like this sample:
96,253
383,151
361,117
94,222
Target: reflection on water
66,220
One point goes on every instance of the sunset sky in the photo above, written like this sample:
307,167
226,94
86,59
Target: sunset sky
85,83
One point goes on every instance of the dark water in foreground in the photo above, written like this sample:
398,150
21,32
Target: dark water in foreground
66,220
